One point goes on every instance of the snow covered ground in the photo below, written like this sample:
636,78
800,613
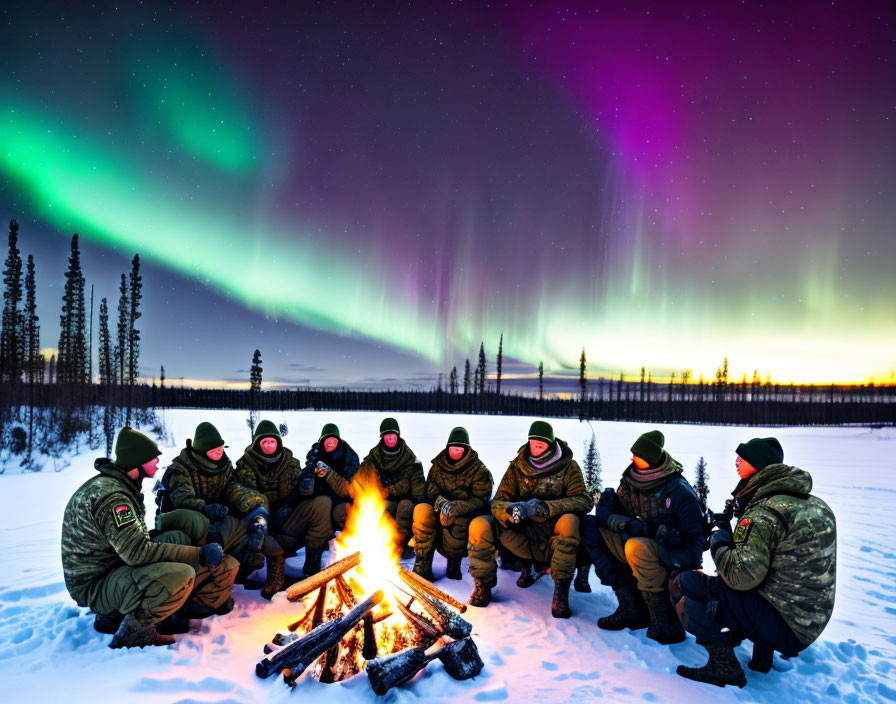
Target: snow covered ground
49,651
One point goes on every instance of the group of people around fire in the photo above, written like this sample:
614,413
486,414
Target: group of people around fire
218,523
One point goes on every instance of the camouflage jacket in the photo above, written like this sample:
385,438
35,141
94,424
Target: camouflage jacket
467,484
784,544
104,528
560,485
400,473
193,480
277,482
344,463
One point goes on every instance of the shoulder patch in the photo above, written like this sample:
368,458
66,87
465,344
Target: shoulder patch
124,515
743,530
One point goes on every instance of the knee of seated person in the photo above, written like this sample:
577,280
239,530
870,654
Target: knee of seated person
180,573
422,512
638,549
567,526
229,563
691,585
479,527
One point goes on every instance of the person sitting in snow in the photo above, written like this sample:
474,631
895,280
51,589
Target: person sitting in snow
130,581
458,488
400,473
776,569
535,514
297,517
333,464
650,525
202,479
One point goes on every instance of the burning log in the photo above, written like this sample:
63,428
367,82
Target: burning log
299,655
461,659
306,586
450,623
412,578
346,596
369,652
386,672
424,627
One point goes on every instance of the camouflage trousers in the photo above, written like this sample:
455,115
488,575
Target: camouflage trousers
154,592
307,524
403,513
641,555
430,534
555,540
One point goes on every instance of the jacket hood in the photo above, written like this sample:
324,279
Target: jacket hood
774,479
669,468
194,458
105,466
521,461
446,465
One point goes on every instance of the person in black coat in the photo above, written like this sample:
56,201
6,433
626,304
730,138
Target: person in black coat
333,463
650,526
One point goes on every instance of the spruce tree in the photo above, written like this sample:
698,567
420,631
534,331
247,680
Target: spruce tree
500,364
452,381
254,388
701,485
467,379
540,380
135,284
583,384
32,329
104,352
481,369
121,343
592,468
71,364
11,334
162,377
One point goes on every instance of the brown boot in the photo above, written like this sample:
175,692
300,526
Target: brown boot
581,584
107,624
131,634
452,571
312,561
722,668
482,593
664,628
423,566
632,611
526,578
560,602
276,575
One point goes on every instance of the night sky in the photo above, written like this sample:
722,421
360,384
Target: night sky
366,191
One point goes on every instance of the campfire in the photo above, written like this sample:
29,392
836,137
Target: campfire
365,611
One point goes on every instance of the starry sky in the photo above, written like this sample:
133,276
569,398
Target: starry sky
365,191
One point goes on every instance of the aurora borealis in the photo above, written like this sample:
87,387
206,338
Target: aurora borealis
367,191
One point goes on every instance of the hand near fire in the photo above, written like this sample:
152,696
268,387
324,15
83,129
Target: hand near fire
322,469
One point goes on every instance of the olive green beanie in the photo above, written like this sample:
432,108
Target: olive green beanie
649,447
206,438
133,449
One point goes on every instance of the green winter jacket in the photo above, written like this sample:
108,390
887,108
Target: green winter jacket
467,484
785,544
104,528
193,480
560,485
277,482
400,473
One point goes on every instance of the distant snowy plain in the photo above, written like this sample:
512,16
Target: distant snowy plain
49,651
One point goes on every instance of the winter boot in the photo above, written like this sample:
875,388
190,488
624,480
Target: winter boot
174,624
722,668
526,578
664,628
252,562
225,608
481,595
452,571
312,561
560,602
276,575
507,560
763,655
107,624
631,613
581,584
132,635
423,566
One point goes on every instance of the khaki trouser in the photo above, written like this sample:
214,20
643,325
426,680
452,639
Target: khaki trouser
642,555
340,515
430,534
529,540
403,513
309,523
154,592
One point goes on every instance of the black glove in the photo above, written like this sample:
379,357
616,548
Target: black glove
667,536
211,555
720,538
618,523
638,528
215,511
518,511
607,498
256,528
538,508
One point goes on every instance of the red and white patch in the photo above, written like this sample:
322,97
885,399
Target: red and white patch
742,530
124,514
